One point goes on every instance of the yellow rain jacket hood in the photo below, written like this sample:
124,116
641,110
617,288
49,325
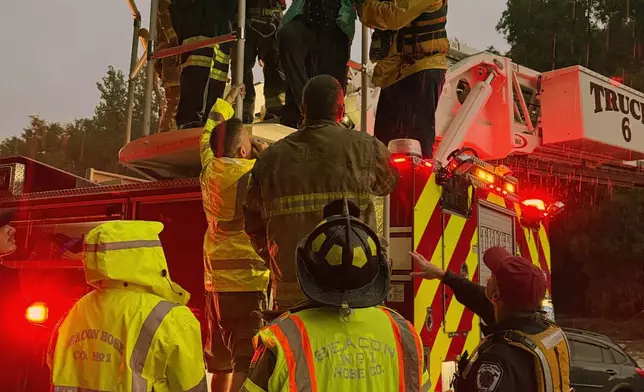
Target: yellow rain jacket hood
122,253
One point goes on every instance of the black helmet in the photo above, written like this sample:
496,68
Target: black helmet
340,263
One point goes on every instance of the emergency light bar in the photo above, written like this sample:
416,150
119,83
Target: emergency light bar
495,179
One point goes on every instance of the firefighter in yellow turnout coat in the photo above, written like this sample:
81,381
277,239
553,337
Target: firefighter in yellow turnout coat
343,340
236,277
134,332
522,351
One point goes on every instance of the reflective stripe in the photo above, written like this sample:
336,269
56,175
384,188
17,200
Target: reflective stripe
144,341
409,351
250,386
426,386
198,61
295,342
239,264
74,389
201,387
312,202
104,247
547,374
220,65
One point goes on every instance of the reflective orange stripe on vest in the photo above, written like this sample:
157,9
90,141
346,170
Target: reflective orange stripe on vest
292,336
409,353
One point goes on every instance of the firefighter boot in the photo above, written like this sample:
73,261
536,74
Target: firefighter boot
192,85
249,110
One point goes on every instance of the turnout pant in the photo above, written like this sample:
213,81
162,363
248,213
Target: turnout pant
261,41
407,109
195,20
306,52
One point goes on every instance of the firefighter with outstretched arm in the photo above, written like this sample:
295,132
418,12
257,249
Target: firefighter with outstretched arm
522,351
236,277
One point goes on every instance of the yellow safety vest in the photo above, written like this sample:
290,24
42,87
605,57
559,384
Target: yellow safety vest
551,355
373,349
134,333
230,261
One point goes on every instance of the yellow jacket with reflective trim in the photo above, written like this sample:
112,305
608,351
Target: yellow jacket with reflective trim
134,332
231,263
319,350
396,15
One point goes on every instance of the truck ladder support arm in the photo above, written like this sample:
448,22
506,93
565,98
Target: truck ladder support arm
458,128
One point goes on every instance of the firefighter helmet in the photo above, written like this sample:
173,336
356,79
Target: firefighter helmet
341,263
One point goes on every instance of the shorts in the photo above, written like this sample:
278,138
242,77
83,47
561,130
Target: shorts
232,326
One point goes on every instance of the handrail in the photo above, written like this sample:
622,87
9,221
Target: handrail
175,50
239,36
152,36
136,15
135,10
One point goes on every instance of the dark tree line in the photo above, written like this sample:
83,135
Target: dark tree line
86,142
598,243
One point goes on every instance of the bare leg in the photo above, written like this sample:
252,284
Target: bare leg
221,382
238,379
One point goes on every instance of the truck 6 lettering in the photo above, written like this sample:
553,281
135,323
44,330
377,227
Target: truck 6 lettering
617,102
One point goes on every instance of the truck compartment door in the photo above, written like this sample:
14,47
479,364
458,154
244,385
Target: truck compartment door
496,228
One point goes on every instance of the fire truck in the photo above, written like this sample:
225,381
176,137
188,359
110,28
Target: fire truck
450,209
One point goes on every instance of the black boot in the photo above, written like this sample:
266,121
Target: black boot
192,84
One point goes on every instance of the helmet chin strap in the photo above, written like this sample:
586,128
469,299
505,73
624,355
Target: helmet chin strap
345,310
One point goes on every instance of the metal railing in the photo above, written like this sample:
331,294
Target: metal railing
150,55
148,41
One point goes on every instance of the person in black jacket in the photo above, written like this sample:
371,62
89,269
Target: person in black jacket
518,337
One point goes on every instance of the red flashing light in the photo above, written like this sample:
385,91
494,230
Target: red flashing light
640,372
400,160
428,164
617,80
505,192
536,203
491,186
37,313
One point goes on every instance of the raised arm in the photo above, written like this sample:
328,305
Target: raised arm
220,112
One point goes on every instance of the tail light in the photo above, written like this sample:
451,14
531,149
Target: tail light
640,372
37,313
